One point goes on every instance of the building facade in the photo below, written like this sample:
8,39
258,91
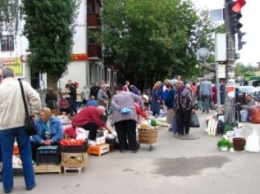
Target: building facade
86,66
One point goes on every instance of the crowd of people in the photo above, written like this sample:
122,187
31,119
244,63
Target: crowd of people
89,108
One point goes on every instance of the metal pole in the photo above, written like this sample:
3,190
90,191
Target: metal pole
218,88
229,100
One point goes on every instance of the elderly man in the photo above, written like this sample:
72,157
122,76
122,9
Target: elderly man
12,117
205,93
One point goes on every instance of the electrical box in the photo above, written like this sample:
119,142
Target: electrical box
220,47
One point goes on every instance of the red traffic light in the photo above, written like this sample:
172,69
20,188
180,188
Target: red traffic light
238,5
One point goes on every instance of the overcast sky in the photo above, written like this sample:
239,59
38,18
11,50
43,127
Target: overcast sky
250,52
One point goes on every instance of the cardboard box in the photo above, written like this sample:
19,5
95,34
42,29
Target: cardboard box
100,140
16,149
98,149
74,159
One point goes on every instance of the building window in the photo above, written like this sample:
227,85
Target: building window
91,7
7,43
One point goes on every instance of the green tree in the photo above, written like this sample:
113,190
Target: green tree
154,39
244,70
49,27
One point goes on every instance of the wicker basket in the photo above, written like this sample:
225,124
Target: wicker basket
147,136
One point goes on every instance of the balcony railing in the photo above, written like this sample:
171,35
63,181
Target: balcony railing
94,51
93,19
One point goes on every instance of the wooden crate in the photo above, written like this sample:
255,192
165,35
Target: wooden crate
72,169
16,149
212,127
47,168
98,149
74,160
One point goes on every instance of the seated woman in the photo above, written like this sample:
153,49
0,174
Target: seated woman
63,104
50,131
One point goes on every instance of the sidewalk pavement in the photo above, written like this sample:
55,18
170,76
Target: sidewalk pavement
174,166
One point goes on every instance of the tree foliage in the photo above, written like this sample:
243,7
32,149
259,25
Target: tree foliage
49,27
155,39
242,70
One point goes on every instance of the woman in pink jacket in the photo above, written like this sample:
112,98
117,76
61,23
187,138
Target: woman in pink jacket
125,121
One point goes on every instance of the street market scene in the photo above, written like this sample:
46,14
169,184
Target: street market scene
123,96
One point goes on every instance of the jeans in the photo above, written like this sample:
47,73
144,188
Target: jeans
73,106
174,125
7,138
205,102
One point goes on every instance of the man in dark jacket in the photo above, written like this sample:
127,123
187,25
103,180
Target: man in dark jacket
73,98
51,99
94,90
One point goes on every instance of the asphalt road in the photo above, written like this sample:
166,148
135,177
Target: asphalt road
174,166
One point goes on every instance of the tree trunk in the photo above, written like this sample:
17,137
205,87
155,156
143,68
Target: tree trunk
52,82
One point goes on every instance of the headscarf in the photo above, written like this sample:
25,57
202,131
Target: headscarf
47,113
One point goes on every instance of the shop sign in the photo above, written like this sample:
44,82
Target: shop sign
79,57
13,63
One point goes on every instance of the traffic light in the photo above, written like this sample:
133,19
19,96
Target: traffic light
234,11
240,43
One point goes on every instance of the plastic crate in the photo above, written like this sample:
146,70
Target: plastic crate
48,159
75,148
54,149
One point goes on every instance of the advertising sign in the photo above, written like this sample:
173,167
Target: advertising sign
13,63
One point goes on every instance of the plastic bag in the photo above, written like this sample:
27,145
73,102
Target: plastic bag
194,120
252,142
125,110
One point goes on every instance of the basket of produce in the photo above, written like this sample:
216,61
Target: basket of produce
74,146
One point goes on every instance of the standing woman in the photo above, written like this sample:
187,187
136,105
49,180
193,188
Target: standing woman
183,105
125,123
156,98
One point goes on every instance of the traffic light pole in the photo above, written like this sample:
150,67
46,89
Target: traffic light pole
230,95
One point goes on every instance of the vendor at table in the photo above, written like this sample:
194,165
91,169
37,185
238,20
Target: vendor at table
89,118
50,131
